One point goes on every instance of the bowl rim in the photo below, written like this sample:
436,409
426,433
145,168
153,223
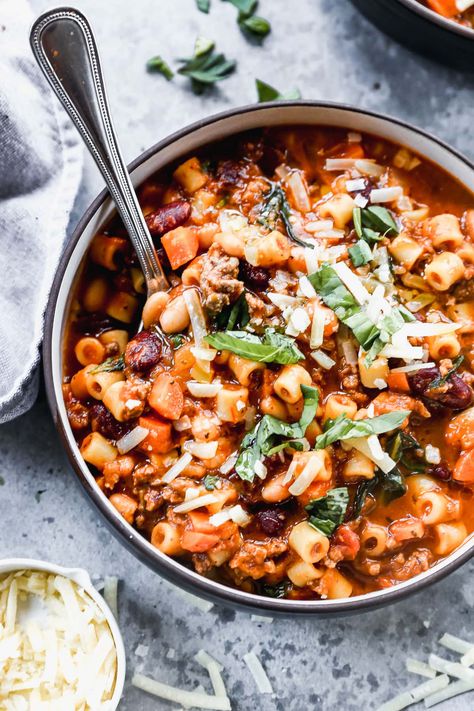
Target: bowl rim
81,577
172,569
437,19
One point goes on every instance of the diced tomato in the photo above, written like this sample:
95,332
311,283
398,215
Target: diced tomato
196,542
183,361
446,8
181,245
398,382
347,541
159,439
464,468
200,522
166,397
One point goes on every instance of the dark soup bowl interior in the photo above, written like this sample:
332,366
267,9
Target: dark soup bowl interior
417,27
159,156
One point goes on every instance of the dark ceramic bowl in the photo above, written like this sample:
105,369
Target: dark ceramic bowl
423,30
180,144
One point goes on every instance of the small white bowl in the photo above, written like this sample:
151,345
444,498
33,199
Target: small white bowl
80,577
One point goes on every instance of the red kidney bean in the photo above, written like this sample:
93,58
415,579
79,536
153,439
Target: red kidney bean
271,521
422,379
458,396
104,422
143,351
229,173
255,278
168,217
441,471
94,324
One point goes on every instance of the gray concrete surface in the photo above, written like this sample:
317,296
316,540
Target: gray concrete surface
326,49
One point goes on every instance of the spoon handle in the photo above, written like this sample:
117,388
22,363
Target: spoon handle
65,49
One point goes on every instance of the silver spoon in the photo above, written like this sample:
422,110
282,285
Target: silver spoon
65,49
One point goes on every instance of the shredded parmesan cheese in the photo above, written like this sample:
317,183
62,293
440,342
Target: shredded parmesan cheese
323,359
111,594
196,503
258,672
352,282
421,668
191,699
196,315
203,389
177,468
386,194
307,476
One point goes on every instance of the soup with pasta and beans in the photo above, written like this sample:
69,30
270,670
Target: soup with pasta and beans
460,11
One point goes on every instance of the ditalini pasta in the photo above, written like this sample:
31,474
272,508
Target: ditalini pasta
296,418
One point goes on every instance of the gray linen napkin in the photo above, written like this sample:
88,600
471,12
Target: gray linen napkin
40,171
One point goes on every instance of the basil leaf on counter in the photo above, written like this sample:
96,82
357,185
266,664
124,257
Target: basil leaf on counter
257,26
203,5
110,365
245,7
276,206
274,348
265,92
211,482
206,67
360,253
344,428
328,512
159,66
264,438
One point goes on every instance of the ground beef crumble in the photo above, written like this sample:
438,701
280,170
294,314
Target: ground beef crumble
219,281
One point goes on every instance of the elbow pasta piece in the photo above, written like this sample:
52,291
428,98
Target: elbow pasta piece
98,383
405,250
460,430
206,234
231,403
202,203
339,207
190,175
339,404
122,306
466,252
108,252
444,232
274,490
434,507
79,382
297,261
445,346
448,536
373,540
97,450
119,404
138,280
302,573
268,250
125,505
335,585
288,384
192,274
231,242
166,538
96,295
358,466
444,270
274,406
175,316
419,483
243,368
463,314
377,371
89,350
417,215
310,544
115,338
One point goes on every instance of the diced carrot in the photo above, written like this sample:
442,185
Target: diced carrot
347,150
398,382
183,361
166,397
464,468
196,542
446,8
158,440
181,245
200,522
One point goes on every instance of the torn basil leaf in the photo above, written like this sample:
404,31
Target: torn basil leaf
206,67
256,26
235,316
274,207
328,512
176,340
265,92
273,348
277,591
211,482
344,428
360,253
203,5
110,365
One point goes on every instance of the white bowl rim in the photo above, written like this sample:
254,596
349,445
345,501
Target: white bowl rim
81,577
171,568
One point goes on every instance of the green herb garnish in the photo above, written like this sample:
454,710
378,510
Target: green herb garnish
442,379
277,591
265,437
211,482
177,340
235,316
328,512
273,348
373,223
256,26
344,428
360,253
265,92
110,365
274,207
159,66
206,67
203,5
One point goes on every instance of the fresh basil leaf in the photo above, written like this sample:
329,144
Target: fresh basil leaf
293,443
211,482
392,484
206,67
364,490
257,26
277,591
275,206
360,253
110,365
344,428
159,66
265,438
245,7
234,317
357,220
265,92
402,449
275,347
442,380
177,340
203,5
379,219
328,512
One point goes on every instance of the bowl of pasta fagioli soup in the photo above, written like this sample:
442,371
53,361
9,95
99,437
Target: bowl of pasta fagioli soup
292,429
